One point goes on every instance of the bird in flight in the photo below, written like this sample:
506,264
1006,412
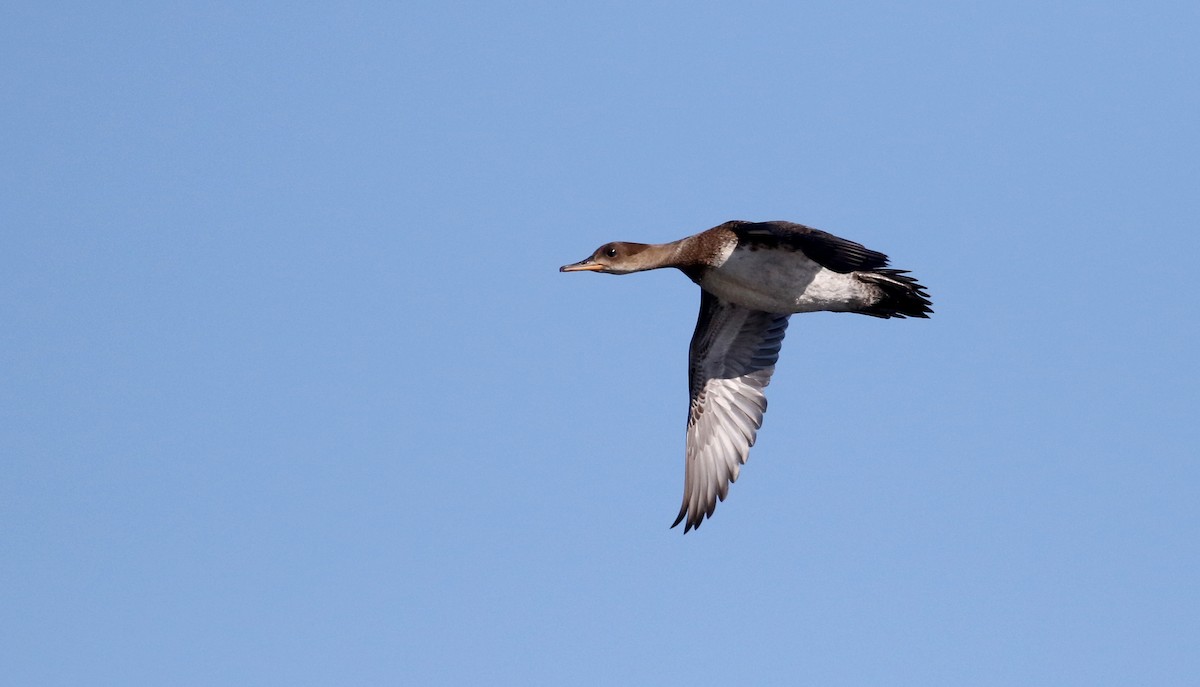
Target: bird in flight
753,276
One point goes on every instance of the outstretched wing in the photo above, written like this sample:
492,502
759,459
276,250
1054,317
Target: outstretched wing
831,252
732,357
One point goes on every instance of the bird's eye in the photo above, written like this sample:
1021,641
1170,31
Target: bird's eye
611,251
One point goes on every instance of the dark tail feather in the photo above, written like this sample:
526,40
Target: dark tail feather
900,295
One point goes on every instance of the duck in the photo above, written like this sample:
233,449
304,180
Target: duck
753,276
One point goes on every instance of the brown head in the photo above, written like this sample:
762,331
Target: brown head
619,257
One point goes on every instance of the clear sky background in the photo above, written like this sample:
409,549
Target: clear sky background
293,393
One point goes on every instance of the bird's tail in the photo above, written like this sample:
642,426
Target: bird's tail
899,295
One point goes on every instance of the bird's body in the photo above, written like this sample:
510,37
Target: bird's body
780,280
753,276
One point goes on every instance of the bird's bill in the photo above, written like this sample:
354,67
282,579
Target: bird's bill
585,265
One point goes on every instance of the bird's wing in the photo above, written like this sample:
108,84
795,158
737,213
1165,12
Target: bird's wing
829,251
732,357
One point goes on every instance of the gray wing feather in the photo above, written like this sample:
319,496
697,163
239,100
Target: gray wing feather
732,358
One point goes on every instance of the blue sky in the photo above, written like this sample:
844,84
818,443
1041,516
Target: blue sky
292,392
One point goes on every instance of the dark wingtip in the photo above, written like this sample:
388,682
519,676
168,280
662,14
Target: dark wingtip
693,523
902,295
679,518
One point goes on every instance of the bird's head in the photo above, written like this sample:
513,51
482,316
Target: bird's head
619,257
